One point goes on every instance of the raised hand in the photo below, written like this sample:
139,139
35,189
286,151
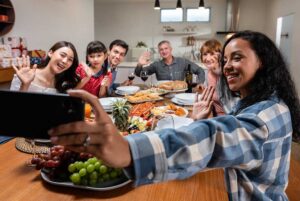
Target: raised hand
105,82
104,140
202,107
144,58
24,72
88,71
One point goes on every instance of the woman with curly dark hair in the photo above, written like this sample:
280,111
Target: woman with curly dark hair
272,77
252,143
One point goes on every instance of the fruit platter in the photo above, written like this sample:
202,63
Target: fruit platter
63,167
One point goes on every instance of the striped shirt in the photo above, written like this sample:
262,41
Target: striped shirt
253,147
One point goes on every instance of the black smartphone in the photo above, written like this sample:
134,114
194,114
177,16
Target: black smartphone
31,115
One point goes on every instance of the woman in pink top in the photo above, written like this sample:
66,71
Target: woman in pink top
210,54
95,77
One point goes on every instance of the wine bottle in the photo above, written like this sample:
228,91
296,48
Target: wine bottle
189,78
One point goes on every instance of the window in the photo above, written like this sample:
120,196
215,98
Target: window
198,15
171,15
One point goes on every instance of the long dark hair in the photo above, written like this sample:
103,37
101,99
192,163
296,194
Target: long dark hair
272,78
97,47
67,79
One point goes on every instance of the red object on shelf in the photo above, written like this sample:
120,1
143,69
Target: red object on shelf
3,18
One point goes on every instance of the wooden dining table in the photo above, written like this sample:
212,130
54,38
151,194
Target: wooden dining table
20,182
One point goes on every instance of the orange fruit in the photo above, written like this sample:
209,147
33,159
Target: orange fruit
87,110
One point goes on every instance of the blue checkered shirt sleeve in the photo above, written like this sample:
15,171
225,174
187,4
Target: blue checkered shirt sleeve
253,147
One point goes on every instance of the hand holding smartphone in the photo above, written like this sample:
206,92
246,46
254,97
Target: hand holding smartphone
31,115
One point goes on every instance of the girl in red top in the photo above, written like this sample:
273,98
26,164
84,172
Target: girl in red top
95,77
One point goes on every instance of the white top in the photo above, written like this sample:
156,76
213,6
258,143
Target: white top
16,83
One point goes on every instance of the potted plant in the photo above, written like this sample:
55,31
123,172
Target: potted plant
141,44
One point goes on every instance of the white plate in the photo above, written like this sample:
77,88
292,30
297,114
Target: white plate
178,102
178,90
105,186
175,121
38,140
128,89
186,97
122,93
165,107
108,101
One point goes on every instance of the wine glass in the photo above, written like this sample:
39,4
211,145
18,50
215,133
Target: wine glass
144,76
195,80
131,75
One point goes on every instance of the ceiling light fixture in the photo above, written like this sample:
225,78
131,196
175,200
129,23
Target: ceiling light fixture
157,5
201,4
179,5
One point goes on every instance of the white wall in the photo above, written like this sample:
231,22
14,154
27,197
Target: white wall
135,21
44,22
253,14
280,8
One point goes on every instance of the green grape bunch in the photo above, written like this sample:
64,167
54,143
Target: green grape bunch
92,172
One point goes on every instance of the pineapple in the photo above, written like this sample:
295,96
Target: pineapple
120,114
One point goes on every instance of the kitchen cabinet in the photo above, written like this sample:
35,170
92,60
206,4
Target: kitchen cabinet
7,16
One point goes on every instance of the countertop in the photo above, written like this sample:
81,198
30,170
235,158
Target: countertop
132,64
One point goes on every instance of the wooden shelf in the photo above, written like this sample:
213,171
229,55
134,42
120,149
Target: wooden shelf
178,33
6,74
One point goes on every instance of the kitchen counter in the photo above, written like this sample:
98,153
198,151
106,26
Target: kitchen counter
132,64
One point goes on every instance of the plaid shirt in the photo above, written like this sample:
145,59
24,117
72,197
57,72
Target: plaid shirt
253,147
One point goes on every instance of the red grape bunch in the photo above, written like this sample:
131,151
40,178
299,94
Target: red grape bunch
55,163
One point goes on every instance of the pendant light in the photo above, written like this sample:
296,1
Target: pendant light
157,5
179,5
201,4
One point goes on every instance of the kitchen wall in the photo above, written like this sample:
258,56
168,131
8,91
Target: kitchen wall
45,22
278,9
80,21
136,20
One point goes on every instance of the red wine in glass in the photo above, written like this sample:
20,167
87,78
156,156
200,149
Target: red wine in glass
131,77
144,78
194,84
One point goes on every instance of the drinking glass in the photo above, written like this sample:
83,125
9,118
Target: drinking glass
195,80
131,75
166,121
144,76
